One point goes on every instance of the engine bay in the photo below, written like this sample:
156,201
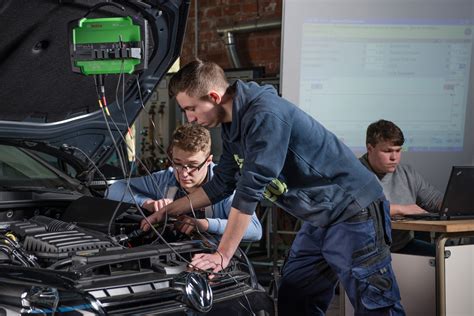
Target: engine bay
108,256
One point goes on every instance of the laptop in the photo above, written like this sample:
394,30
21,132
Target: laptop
458,200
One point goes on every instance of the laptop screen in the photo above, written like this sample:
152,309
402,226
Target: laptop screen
459,196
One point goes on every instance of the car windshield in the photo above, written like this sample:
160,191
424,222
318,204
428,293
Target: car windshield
20,170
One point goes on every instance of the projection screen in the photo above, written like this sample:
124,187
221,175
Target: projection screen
350,63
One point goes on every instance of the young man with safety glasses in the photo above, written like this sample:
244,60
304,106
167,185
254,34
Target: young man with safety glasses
192,166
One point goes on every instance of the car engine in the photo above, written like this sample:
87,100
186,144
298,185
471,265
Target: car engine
126,272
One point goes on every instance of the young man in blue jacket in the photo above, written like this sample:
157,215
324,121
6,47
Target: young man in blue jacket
274,150
192,166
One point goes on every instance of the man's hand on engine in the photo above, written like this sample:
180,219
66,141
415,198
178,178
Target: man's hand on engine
209,261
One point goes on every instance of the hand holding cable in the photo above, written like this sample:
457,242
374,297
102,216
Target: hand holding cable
159,212
210,261
153,206
187,225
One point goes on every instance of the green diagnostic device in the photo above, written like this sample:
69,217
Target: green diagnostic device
110,45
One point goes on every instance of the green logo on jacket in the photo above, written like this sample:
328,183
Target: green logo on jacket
239,161
273,190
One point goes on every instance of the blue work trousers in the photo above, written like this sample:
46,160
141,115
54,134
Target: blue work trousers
356,252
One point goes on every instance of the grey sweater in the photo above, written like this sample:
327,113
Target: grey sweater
406,186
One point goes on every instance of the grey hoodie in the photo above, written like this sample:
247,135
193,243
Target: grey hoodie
406,186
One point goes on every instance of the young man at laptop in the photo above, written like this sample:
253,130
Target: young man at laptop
405,189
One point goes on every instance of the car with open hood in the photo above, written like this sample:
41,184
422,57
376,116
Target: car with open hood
68,96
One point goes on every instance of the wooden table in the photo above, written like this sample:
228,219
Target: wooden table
444,230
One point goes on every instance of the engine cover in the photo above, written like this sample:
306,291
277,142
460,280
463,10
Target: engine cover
49,238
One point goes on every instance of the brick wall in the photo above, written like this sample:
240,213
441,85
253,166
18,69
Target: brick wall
259,48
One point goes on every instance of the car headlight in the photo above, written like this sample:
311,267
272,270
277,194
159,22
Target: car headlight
49,300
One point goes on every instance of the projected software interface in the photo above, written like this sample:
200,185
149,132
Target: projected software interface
410,72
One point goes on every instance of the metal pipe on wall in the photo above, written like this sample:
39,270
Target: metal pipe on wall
196,28
229,42
227,34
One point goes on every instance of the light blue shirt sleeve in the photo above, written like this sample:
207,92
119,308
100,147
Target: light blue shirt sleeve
218,222
153,186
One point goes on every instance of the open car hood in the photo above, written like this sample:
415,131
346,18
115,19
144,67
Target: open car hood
45,105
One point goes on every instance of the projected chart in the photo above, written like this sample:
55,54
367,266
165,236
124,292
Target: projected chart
410,72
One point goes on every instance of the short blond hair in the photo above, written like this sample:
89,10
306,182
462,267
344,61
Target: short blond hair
191,138
197,78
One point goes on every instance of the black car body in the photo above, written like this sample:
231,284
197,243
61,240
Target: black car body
64,250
